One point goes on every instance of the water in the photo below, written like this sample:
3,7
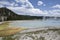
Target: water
29,34
35,23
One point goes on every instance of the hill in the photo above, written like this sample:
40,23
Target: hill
10,15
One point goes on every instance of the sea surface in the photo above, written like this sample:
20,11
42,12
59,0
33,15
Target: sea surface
35,23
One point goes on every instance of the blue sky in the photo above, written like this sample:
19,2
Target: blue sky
33,7
48,4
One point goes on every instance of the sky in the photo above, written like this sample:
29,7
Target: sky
33,7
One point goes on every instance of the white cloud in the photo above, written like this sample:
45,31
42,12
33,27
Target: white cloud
23,1
12,4
54,12
40,3
27,8
6,3
31,11
56,6
17,0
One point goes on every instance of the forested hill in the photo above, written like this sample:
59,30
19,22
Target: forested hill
13,16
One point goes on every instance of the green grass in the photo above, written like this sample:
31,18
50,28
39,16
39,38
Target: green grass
4,25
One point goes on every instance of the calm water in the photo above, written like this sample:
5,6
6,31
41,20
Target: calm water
35,23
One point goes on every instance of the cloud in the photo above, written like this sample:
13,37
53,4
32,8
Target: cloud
56,6
53,12
16,5
26,11
24,3
26,8
6,3
40,3
17,0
